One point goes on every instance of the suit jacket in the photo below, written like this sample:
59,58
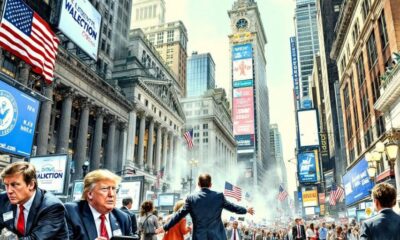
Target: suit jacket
133,218
302,230
229,233
81,223
205,208
46,218
385,225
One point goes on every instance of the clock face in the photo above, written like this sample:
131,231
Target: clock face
242,23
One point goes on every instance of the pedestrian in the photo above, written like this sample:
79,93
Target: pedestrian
298,231
323,232
178,231
311,232
126,208
95,216
205,208
28,211
148,222
234,233
386,224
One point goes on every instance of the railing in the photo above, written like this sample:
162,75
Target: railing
390,73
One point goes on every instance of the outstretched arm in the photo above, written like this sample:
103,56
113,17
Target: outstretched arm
236,208
176,217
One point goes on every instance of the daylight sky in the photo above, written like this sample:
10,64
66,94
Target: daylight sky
208,27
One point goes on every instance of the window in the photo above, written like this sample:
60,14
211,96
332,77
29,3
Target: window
170,36
364,104
160,38
356,32
205,111
146,102
368,138
383,30
355,114
205,140
205,126
196,135
197,127
205,134
108,49
9,66
371,49
365,8
103,44
360,71
346,96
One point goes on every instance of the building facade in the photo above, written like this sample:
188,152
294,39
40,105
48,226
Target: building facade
366,36
147,13
214,145
276,149
200,74
250,92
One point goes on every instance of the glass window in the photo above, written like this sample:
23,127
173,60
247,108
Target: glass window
383,30
371,49
205,126
360,71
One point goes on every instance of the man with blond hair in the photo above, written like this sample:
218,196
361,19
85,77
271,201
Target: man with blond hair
28,211
95,216
386,224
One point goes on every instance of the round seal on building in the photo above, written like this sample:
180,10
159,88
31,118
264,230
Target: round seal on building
8,112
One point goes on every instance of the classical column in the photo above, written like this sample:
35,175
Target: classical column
81,142
164,151
150,146
24,70
65,123
109,161
158,148
122,146
170,153
97,139
44,121
130,145
141,140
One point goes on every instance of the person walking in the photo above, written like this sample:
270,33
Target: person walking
148,222
298,231
323,232
178,231
126,206
386,224
205,207
234,233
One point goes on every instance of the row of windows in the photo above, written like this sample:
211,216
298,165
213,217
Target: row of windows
146,12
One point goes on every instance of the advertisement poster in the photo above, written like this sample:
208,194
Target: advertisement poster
81,22
50,172
321,197
242,69
295,69
18,116
357,184
308,128
308,167
243,111
245,140
130,189
310,198
242,51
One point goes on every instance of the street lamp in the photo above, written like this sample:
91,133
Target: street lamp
192,163
85,167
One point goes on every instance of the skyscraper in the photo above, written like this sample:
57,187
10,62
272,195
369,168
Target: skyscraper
276,150
200,74
307,42
250,92
147,13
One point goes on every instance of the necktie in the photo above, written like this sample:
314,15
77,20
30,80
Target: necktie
234,234
21,220
103,229
298,231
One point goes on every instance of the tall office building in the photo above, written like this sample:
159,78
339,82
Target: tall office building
146,13
200,74
276,150
307,42
250,92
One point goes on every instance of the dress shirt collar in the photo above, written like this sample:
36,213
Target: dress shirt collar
96,214
383,209
28,204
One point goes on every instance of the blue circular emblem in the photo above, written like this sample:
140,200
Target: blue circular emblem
8,112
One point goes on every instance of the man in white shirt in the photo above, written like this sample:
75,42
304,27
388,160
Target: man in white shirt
234,233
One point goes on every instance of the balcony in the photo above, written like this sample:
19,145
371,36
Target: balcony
390,89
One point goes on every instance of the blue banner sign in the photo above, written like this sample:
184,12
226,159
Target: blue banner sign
245,140
242,51
295,69
18,115
307,167
357,184
243,83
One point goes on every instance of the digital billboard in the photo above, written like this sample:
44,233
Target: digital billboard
357,184
18,116
81,23
308,128
310,198
166,200
245,140
131,189
243,111
50,172
242,69
242,51
308,167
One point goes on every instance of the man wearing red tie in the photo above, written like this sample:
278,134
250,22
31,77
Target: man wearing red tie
28,211
234,233
298,231
96,217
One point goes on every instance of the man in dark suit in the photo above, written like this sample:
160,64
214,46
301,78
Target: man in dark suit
126,206
386,224
298,230
234,233
205,208
28,211
95,217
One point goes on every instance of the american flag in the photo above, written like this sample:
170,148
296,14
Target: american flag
26,35
337,193
160,175
189,138
233,191
282,195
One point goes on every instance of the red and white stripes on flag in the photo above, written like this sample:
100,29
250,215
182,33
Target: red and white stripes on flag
282,195
26,35
189,138
233,191
337,193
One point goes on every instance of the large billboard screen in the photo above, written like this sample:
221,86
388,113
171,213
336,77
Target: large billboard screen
131,189
242,69
242,51
81,23
243,111
308,167
18,116
308,128
50,172
245,141
357,184
310,198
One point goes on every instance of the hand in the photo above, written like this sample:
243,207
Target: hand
250,210
160,230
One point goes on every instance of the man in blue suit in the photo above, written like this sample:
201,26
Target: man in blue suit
205,208
95,217
28,211
386,224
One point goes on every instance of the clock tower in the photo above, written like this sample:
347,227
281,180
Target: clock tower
250,104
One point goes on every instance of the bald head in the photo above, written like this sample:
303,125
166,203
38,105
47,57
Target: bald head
205,180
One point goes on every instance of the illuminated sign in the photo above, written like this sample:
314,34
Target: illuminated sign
242,69
308,128
130,189
310,198
295,70
308,167
243,111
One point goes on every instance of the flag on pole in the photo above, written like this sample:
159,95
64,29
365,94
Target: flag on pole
160,175
336,194
189,138
233,191
282,195
26,35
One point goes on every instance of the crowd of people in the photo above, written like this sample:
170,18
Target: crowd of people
28,212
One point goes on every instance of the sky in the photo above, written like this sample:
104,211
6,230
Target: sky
208,27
